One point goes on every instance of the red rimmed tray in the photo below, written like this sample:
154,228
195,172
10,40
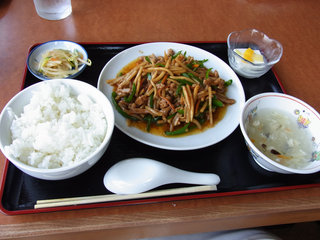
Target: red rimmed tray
229,159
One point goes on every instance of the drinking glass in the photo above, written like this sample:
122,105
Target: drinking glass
53,9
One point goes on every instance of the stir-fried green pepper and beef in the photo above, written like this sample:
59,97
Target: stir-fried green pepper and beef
175,90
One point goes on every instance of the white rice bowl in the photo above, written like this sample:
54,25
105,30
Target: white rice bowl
57,129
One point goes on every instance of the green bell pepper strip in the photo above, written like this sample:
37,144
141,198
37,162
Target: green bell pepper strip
151,101
201,62
148,119
201,118
179,89
217,103
171,115
208,72
179,131
133,92
190,75
228,83
147,59
197,63
119,109
181,111
183,81
176,55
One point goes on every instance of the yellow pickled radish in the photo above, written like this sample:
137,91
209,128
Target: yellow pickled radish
248,54
253,56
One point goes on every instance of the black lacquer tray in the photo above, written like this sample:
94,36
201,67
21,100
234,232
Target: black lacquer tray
229,158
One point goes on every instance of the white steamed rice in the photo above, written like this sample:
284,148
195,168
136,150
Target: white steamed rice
57,129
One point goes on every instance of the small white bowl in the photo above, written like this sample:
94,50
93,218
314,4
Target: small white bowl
306,117
17,103
270,49
36,54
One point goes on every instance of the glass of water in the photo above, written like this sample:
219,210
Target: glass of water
53,9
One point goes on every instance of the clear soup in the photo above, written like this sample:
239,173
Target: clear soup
277,135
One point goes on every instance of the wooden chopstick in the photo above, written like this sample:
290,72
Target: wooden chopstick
116,197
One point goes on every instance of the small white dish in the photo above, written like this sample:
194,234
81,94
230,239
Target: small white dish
306,118
258,41
36,55
209,137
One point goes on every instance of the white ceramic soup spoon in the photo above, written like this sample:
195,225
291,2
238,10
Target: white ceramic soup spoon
138,175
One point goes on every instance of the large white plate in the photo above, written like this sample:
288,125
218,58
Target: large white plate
209,137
